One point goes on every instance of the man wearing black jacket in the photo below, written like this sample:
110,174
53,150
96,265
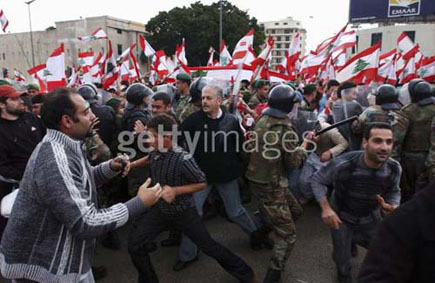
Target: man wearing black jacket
20,132
219,143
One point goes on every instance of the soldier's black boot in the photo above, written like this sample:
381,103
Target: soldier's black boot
272,276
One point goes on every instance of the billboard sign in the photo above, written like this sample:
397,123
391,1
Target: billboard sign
393,10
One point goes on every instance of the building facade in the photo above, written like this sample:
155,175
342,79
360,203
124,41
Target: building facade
16,48
283,32
422,34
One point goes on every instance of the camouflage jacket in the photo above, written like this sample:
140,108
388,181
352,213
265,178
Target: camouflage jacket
187,111
96,150
273,150
418,135
181,104
395,118
255,100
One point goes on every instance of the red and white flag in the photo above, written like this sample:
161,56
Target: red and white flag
346,40
311,63
85,59
135,66
74,80
387,57
109,69
362,68
409,71
387,71
294,50
427,69
39,74
159,66
406,47
97,34
225,56
146,47
339,59
328,44
18,76
241,51
3,21
56,69
180,55
94,71
265,54
125,70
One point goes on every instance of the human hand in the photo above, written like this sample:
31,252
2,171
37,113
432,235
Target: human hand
149,196
326,156
330,218
139,127
386,207
168,194
121,162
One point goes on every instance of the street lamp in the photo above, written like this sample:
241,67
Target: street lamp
31,33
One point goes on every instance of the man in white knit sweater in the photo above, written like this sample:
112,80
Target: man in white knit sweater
51,234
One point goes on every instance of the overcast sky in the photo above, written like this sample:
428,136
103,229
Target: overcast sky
319,17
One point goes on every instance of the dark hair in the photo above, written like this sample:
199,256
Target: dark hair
332,83
163,96
163,119
375,125
3,99
57,104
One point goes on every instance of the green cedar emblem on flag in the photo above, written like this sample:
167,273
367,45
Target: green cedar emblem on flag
360,65
47,73
423,72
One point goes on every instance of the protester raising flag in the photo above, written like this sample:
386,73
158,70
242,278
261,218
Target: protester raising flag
56,69
225,56
406,47
241,51
146,47
362,68
98,34
3,21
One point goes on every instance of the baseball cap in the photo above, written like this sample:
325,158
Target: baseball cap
9,91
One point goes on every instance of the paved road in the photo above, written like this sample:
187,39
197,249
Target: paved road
310,261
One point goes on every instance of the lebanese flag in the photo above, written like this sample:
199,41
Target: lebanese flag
211,51
146,47
94,71
282,67
409,72
56,69
387,57
225,56
86,59
295,49
387,71
3,21
339,59
109,77
241,51
406,47
346,40
160,66
427,69
135,65
74,80
226,73
39,74
18,76
265,54
125,70
328,70
363,67
329,43
180,55
97,34
311,63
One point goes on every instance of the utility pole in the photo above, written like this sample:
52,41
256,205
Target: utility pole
31,33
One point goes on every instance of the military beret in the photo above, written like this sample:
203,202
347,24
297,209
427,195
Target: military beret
32,87
260,83
113,101
184,77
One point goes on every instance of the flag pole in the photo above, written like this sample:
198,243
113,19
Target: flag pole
220,24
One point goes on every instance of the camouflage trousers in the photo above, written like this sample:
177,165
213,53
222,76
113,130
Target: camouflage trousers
414,169
281,210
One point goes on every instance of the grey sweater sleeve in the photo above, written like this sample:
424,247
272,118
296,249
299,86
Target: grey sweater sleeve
393,195
62,188
323,178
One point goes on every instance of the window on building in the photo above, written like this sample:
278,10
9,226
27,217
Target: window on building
119,31
287,38
285,24
287,45
355,48
272,31
411,35
278,45
90,49
287,31
4,56
376,38
276,24
119,49
278,53
278,38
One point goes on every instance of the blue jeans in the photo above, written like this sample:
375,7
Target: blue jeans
230,195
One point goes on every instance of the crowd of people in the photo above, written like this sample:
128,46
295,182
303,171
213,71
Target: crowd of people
86,161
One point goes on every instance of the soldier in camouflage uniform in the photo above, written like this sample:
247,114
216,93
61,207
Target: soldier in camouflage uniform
430,162
417,142
267,173
182,84
261,89
386,110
